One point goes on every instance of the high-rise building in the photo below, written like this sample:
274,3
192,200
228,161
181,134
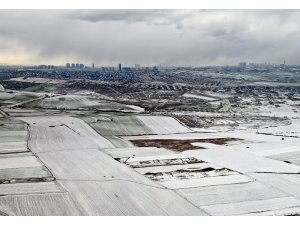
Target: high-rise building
81,66
43,67
93,66
242,64
120,67
73,65
77,66
68,65
137,66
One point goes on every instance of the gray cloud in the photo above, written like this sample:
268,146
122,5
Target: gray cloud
150,17
149,37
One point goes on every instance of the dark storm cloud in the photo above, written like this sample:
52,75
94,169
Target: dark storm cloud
173,37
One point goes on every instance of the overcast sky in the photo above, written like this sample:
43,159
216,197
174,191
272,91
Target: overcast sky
149,37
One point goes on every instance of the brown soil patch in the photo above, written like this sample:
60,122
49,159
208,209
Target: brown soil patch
180,145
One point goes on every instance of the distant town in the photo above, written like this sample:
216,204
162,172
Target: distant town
137,73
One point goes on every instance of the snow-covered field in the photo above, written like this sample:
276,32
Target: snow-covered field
63,133
291,130
284,110
136,125
13,136
163,125
84,161
218,180
10,98
65,102
38,80
96,182
207,98
80,101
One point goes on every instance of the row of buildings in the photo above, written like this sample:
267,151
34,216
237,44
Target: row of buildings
119,68
75,66
82,66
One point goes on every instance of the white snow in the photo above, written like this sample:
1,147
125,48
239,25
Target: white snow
207,181
242,161
163,124
199,97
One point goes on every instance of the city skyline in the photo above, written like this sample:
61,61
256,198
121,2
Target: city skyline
137,66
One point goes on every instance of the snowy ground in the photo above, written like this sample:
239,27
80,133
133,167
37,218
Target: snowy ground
38,80
96,176
73,162
207,98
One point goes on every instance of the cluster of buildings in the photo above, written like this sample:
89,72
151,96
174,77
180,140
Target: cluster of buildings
75,65
244,65
46,67
81,66
119,68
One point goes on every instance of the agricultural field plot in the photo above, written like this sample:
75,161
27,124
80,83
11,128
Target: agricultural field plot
219,95
243,161
96,181
248,207
119,142
218,122
290,130
10,98
288,183
135,125
164,125
278,148
87,164
80,102
185,141
118,125
21,172
36,173
250,142
13,136
183,136
181,145
22,168
242,199
113,199
288,157
38,80
176,171
60,133
50,204
30,188
282,110
64,102
20,112
202,97
285,149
